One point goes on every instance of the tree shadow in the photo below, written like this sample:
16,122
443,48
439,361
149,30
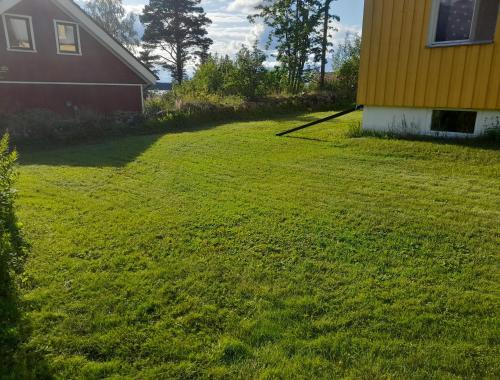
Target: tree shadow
118,151
307,138
482,142
17,360
109,152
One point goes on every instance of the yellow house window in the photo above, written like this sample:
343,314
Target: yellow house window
463,21
67,38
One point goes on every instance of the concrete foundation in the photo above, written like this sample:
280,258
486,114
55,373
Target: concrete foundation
417,121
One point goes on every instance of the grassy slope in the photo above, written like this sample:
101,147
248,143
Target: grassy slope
231,252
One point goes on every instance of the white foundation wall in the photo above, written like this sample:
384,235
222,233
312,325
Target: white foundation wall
417,121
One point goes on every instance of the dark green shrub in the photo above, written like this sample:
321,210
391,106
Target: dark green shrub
43,125
12,254
11,244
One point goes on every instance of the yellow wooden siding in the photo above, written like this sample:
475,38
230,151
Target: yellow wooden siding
399,70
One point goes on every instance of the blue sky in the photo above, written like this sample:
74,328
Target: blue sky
230,28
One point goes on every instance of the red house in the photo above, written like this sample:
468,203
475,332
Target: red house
54,56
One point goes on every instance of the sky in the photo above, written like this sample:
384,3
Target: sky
230,28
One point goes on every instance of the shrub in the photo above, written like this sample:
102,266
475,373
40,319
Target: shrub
12,253
44,125
11,243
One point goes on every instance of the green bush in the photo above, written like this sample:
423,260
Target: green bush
169,111
12,254
44,125
11,245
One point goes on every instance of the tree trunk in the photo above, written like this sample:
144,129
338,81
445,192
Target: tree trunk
179,65
324,46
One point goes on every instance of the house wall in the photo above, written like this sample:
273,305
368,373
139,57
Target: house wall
399,70
70,99
96,64
417,121
99,80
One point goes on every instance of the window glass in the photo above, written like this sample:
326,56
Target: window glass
454,121
19,32
67,38
455,20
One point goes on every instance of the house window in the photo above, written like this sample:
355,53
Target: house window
67,38
453,121
19,32
464,21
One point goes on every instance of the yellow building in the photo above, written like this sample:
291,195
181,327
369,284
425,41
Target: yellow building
431,66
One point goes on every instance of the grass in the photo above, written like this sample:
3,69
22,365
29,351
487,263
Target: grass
227,252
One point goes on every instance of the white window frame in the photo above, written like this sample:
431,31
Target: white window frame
434,22
32,32
79,53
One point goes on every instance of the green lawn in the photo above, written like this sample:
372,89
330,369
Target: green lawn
227,252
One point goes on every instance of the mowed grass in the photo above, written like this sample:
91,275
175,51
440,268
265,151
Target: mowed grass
227,252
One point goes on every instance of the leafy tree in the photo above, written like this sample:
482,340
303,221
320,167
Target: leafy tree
346,61
112,17
177,30
247,79
243,76
296,30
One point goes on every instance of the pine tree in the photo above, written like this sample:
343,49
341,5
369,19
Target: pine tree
176,31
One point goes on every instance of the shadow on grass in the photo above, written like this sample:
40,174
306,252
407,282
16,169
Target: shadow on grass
305,138
16,360
110,152
118,151
485,142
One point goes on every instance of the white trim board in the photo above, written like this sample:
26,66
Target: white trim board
73,10
72,83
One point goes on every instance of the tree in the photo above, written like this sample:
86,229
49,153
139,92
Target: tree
148,58
346,61
176,29
327,17
296,30
113,18
244,76
249,74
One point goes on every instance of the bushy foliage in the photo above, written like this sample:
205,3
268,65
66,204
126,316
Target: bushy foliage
45,125
343,82
244,76
192,109
12,253
346,61
10,241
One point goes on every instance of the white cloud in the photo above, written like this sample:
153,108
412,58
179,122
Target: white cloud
343,31
134,8
232,30
243,6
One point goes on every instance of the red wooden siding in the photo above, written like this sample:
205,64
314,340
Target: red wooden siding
63,98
